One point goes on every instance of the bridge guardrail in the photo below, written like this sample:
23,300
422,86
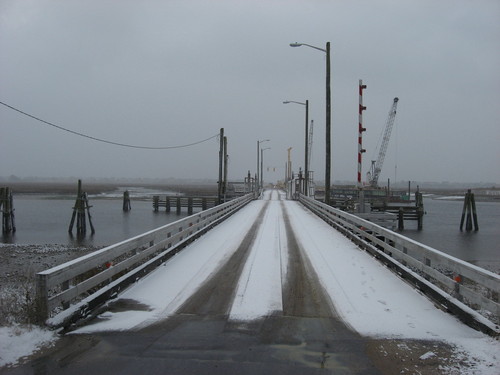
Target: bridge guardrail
70,291
468,291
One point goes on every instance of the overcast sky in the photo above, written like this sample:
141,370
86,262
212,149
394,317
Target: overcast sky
169,73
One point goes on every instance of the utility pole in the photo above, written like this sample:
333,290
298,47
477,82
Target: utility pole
361,203
224,186
306,162
328,127
257,183
221,159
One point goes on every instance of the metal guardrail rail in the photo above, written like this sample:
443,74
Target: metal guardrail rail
463,289
71,291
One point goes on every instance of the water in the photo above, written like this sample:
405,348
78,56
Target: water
441,230
45,220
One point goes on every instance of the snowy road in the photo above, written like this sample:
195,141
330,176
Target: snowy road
273,289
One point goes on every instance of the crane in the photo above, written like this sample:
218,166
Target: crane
374,173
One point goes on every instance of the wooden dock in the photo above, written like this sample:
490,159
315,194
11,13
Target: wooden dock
169,203
413,210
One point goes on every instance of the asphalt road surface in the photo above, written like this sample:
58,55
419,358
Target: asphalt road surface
306,337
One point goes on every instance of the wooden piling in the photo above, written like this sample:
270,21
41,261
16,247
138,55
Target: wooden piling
167,204
178,205
81,205
7,208
419,202
469,214
126,201
87,207
156,202
474,213
401,222
190,206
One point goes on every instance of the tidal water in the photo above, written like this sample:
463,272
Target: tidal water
441,230
45,220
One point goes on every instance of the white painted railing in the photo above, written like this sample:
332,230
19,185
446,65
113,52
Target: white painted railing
67,292
470,292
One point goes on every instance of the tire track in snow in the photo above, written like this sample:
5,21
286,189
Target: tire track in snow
259,288
216,295
303,294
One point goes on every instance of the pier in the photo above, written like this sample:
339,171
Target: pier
180,202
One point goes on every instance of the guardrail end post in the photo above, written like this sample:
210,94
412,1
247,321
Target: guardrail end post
42,296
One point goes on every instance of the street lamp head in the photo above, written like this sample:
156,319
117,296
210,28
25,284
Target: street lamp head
293,101
295,44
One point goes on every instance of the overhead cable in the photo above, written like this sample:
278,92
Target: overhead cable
103,140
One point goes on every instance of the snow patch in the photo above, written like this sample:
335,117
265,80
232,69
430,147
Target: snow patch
17,342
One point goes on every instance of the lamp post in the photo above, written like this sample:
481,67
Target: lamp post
328,116
289,174
306,161
258,152
262,165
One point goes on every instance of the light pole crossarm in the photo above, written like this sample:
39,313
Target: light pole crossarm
307,45
293,101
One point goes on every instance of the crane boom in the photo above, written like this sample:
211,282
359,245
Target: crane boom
376,167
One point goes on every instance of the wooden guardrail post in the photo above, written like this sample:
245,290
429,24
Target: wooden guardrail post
42,297
456,292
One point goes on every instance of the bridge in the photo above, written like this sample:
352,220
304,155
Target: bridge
263,286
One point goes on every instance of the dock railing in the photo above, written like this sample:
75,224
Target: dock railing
71,291
461,288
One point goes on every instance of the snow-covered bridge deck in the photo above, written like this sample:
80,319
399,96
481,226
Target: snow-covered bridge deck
273,289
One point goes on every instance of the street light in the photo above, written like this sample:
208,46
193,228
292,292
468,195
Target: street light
328,116
262,165
258,152
306,162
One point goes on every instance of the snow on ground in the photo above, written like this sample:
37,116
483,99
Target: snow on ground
17,342
266,266
368,296
168,287
375,302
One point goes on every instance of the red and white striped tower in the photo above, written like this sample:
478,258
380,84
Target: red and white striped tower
360,131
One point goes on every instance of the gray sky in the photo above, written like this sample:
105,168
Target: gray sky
167,73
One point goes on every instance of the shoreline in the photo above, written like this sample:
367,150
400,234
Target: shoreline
94,188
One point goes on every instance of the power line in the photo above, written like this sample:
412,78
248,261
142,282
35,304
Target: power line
103,140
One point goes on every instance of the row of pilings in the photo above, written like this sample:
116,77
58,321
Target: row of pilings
81,210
